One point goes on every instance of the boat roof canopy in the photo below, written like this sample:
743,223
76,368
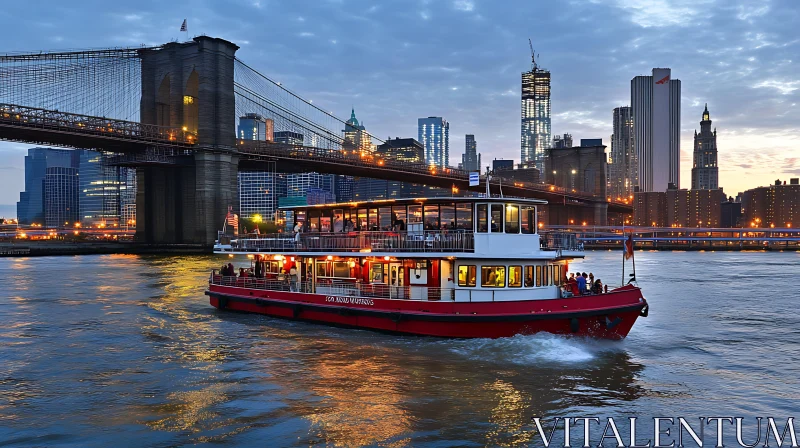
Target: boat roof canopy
420,201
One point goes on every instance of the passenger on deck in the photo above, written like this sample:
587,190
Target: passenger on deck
224,271
297,229
581,281
572,285
231,271
597,288
588,284
348,225
591,279
242,273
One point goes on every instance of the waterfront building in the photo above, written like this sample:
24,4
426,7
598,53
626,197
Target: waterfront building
31,205
705,173
623,165
656,105
61,196
562,141
259,192
586,142
256,127
678,208
434,134
502,165
777,205
471,159
522,173
343,188
580,168
731,213
356,137
650,208
289,137
403,149
298,185
536,124
101,190
127,197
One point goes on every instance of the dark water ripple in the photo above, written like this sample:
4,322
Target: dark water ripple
125,351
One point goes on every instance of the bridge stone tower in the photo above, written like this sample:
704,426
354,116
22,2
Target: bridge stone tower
189,86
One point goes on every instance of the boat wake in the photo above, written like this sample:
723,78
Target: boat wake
531,349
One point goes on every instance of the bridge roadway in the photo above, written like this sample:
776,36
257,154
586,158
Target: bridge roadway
137,141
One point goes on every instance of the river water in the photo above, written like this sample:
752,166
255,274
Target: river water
125,351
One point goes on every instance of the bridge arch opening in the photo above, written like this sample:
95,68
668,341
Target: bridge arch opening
191,110
163,115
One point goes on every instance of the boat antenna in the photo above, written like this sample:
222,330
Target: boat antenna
500,179
488,178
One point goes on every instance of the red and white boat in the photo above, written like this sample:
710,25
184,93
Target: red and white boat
448,267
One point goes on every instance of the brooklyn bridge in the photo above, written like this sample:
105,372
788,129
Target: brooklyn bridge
170,111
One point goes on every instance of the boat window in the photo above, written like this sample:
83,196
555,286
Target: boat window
373,219
431,217
528,216
399,217
322,269
325,224
385,218
514,276
376,273
497,217
512,218
493,276
341,269
464,216
466,275
300,216
414,213
546,274
538,276
528,276
338,220
361,221
448,217
483,218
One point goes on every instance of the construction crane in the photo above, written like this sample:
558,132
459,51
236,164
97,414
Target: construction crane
533,55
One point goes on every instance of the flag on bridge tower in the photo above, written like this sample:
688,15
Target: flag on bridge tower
183,26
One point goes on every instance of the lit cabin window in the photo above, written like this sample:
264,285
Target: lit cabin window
493,276
528,276
515,276
466,275
512,218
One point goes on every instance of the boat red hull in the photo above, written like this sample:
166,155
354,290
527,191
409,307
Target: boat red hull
608,316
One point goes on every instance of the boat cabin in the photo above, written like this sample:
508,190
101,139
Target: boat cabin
458,249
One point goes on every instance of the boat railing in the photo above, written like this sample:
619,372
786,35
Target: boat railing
433,241
336,288
560,241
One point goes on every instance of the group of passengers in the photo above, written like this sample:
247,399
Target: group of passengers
579,284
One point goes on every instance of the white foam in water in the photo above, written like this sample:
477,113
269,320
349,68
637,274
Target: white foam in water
532,349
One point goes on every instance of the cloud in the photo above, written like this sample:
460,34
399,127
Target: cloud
463,5
784,87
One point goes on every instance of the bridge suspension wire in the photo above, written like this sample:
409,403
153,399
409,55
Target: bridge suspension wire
101,83
257,93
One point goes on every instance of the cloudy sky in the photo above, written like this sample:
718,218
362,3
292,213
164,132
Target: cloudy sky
397,60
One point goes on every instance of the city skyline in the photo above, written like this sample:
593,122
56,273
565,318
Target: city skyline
749,64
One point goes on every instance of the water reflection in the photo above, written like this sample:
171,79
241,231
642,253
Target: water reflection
109,348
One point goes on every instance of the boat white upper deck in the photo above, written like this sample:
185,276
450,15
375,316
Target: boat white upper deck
412,228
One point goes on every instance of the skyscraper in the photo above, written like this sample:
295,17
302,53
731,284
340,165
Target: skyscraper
60,196
623,165
289,137
471,160
31,205
535,115
656,104
255,127
705,173
100,185
356,136
434,134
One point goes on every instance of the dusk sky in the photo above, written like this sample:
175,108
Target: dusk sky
396,61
